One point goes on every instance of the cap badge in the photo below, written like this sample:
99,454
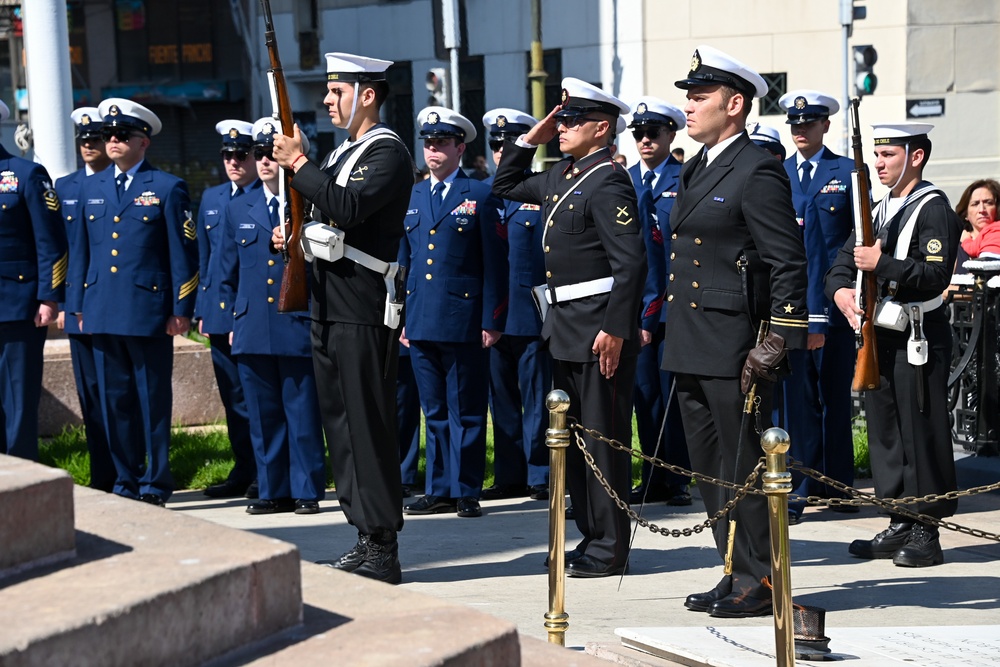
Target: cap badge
113,111
85,119
800,102
501,121
433,118
267,129
695,61
565,96
233,133
641,109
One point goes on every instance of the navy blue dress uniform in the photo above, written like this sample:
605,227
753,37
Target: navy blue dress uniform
139,269
734,202
520,368
594,251
214,309
33,263
354,350
818,391
274,354
658,423
909,437
456,288
87,121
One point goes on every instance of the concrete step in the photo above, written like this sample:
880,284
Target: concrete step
36,523
148,586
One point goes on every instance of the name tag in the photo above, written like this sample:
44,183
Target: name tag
69,202
413,211
719,199
247,225
95,201
212,211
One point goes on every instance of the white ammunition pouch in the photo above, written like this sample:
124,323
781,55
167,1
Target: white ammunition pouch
322,241
895,316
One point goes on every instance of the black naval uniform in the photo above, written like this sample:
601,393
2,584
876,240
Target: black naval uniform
910,446
594,234
357,392
739,205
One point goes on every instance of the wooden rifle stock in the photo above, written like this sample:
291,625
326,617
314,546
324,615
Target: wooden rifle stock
294,294
866,373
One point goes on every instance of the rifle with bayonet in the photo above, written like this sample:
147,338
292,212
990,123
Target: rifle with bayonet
294,294
866,373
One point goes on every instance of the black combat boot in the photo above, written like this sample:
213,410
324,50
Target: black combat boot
382,558
350,561
885,544
922,549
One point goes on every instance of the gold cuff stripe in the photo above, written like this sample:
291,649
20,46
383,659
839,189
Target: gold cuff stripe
789,323
934,258
188,287
59,271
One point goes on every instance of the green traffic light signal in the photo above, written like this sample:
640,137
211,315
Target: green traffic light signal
865,80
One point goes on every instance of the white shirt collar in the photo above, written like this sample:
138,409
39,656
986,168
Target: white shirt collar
717,149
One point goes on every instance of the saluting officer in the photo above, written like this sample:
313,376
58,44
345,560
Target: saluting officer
818,390
520,368
134,290
737,259
909,437
362,191
456,307
272,349
214,307
595,265
87,121
656,177
33,260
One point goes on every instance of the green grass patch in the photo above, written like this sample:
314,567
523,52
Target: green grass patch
862,462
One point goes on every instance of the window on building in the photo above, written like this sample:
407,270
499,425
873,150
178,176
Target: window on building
777,85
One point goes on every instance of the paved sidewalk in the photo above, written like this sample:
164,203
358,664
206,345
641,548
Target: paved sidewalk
494,564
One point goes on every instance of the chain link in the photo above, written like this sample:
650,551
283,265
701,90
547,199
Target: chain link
858,498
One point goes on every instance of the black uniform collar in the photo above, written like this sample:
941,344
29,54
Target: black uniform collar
577,167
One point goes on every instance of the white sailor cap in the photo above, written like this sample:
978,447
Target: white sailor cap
805,106
236,134
580,98
443,122
349,68
767,138
900,134
711,67
88,122
4,111
654,111
503,122
120,112
263,132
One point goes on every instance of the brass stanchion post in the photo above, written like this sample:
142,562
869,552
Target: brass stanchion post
557,440
777,485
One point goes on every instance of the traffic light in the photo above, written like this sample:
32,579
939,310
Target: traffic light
439,87
849,13
865,80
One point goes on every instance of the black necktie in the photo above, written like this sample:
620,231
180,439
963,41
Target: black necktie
120,184
237,191
647,179
437,199
807,168
698,168
273,206
646,205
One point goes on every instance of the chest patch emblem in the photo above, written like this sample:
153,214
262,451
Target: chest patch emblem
147,198
468,207
933,246
8,182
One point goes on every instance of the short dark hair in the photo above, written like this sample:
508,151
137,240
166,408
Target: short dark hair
925,144
728,92
381,89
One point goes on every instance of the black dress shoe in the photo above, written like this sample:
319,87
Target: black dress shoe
589,567
740,606
885,544
253,491
702,601
261,506
430,505
351,560
468,507
501,491
569,557
922,548
152,499
407,491
381,562
227,489
306,507
539,491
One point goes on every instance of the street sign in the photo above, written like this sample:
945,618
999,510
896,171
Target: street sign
925,108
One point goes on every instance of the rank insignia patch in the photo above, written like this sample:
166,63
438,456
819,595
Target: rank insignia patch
359,173
51,200
789,308
623,217
190,232
933,246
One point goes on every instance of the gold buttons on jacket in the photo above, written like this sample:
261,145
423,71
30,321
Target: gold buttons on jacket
69,218
670,297
270,299
114,235
697,241
548,274
270,281
694,305
91,217
433,232
114,252
546,248
697,263
673,255
695,284
270,262
117,219
145,218
428,276
571,206
671,277
460,229
222,305
430,261
114,269
674,236
430,246
555,197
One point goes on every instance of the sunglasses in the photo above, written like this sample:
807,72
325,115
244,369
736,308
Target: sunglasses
572,122
239,156
120,135
496,144
261,153
653,132
90,139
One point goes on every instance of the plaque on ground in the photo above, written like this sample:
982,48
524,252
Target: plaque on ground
961,645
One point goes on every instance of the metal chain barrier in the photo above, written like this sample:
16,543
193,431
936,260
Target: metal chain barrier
741,491
858,498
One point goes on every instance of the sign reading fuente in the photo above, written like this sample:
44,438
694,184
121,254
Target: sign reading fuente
925,108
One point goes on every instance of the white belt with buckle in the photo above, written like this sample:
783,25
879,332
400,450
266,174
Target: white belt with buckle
554,295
